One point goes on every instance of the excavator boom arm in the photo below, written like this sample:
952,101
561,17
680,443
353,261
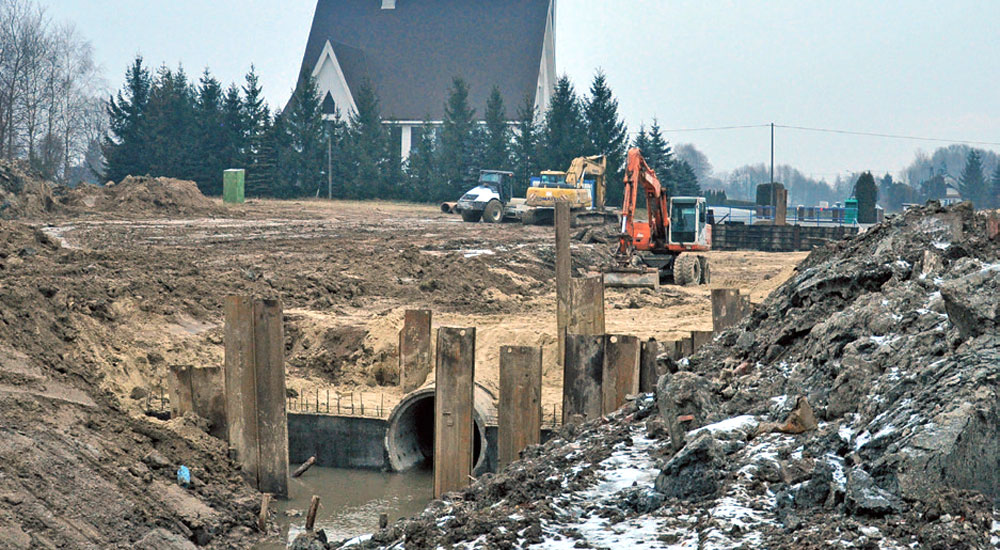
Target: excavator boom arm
639,174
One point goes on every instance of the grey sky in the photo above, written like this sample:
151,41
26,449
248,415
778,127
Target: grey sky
923,68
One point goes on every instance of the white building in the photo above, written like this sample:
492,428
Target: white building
410,51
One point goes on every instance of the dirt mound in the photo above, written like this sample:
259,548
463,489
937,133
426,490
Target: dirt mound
858,406
23,194
143,196
76,469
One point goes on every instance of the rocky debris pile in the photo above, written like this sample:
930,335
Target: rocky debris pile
856,408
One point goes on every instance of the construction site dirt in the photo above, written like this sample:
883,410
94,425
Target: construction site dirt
98,303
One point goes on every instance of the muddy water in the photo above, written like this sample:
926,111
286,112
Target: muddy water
351,501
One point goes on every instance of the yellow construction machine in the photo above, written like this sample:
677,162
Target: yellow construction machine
586,197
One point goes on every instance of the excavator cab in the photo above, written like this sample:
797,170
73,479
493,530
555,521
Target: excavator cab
688,221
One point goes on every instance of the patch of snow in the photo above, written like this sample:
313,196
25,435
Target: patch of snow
478,252
742,424
862,440
942,245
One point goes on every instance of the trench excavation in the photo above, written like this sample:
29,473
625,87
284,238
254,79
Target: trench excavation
409,439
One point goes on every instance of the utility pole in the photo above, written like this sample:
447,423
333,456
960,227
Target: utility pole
774,188
772,152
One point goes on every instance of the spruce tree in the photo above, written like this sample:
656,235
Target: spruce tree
125,146
866,192
421,170
303,123
260,156
973,182
234,128
171,124
563,135
456,159
642,141
210,141
685,180
607,134
368,147
525,146
660,158
496,153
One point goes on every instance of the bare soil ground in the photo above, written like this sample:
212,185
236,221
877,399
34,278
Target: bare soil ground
102,290
347,272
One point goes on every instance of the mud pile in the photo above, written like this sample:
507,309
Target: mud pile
857,408
76,469
23,194
143,196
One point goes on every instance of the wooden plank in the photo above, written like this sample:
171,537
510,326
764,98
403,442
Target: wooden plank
179,386
415,349
564,265
583,376
240,382
726,310
621,371
520,408
453,401
209,399
684,348
272,423
699,338
648,372
586,309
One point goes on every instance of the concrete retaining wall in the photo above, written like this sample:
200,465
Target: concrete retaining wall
771,238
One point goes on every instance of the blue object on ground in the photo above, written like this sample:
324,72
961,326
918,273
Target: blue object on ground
184,476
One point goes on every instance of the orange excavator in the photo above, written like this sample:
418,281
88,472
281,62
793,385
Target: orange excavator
661,249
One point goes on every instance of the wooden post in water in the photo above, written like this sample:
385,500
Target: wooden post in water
621,371
415,349
520,414
255,391
564,266
453,401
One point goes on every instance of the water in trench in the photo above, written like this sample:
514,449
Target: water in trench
351,501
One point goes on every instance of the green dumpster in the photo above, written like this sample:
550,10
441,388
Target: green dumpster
232,186
851,211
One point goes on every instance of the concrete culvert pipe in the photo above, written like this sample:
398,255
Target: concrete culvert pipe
448,207
409,440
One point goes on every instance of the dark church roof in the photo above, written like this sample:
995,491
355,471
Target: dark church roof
412,52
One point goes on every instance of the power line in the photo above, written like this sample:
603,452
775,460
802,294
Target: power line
889,136
711,129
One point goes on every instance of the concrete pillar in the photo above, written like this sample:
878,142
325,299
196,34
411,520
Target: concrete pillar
727,311
781,206
621,371
453,403
648,372
255,395
520,414
583,376
699,338
586,306
415,349
564,265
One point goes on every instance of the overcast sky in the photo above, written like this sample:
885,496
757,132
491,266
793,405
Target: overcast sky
919,68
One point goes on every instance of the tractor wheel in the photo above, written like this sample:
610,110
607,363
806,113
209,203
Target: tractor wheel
472,216
493,212
706,270
687,270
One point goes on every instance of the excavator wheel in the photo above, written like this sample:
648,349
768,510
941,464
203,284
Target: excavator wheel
706,271
493,213
687,270
471,216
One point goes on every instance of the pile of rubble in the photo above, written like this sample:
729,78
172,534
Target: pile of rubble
856,408
23,194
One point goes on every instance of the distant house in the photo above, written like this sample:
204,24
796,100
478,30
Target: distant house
410,50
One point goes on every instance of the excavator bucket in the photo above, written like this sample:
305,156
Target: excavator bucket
632,278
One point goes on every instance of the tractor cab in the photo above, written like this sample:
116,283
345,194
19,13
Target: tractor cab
498,182
689,221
